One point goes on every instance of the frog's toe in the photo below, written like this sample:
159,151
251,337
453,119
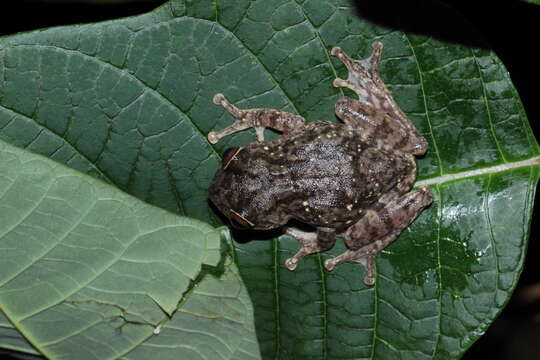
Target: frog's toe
336,50
291,263
329,265
369,280
212,137
339,83
219,99
340,54
377,45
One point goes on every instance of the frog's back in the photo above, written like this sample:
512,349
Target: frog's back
328,174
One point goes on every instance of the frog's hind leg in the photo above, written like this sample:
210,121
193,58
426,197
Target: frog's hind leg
363,76
376,107
376,230
257,119
312,242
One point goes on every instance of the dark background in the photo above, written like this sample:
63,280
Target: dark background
508,27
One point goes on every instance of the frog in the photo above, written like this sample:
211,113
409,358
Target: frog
351,180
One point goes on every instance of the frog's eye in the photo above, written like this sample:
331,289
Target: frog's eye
228,155
240,222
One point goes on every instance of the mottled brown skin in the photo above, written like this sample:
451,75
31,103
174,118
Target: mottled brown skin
350,180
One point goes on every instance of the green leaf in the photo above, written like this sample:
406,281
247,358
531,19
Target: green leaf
129,101
87,271
10,338
535,2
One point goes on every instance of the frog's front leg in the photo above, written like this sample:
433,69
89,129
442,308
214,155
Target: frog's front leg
376,230
257,119
312,242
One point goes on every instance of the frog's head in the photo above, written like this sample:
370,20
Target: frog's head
243,191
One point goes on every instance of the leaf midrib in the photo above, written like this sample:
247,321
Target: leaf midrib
478,172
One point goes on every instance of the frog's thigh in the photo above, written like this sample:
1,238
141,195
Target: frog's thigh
324,239
377,230
359,115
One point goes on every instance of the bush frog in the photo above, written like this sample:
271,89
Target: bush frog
351,180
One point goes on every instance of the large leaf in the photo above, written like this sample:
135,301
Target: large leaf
129,101
89,272
535,2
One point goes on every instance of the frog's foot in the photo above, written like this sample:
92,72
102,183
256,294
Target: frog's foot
367,260
376,230
365,256
241,124
363,74
257,119
311,242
